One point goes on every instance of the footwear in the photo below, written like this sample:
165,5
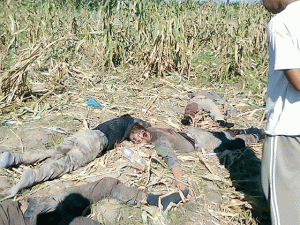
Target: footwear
165,201
186,120
223,123
258,133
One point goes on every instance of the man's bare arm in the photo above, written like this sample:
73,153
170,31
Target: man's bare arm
293,76
177,175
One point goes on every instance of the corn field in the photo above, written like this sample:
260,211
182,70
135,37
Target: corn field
48,41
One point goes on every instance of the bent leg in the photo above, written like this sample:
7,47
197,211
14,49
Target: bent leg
108,187
11,214
217,140
92,192
196,104
210,107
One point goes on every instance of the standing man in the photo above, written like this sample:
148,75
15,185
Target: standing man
281,156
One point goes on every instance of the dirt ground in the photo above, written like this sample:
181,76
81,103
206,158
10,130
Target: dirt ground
224,186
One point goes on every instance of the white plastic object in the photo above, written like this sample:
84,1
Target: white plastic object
134,158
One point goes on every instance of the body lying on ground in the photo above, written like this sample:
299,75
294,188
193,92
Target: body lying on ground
68,206
211,103
77,151
166,141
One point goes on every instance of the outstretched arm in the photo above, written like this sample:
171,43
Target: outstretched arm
177,175
293,76
169,156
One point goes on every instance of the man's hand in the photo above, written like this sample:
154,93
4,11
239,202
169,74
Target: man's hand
179,185
177,175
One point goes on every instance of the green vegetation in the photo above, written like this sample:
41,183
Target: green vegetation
47,41
142,58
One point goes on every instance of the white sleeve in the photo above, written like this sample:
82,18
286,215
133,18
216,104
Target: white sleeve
287,53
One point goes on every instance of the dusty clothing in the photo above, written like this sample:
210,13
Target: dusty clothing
115,131
77,151
11,214
81,148
67,207
82,196
167,141
209,102
281,178
226,139
196,105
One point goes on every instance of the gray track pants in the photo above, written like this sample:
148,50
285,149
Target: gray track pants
281,178
77,151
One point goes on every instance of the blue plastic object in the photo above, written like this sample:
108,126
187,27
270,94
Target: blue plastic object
93,103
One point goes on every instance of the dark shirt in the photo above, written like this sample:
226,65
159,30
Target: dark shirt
116,130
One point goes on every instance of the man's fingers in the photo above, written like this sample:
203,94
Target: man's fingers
179,185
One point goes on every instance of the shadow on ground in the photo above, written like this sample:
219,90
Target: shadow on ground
73,207
245,169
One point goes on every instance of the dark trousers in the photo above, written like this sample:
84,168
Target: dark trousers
67,206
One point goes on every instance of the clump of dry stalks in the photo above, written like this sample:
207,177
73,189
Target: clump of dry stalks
218,42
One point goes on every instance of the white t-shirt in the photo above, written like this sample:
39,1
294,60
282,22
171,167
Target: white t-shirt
283,100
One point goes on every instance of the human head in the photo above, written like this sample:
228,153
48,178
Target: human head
139,134
276,6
